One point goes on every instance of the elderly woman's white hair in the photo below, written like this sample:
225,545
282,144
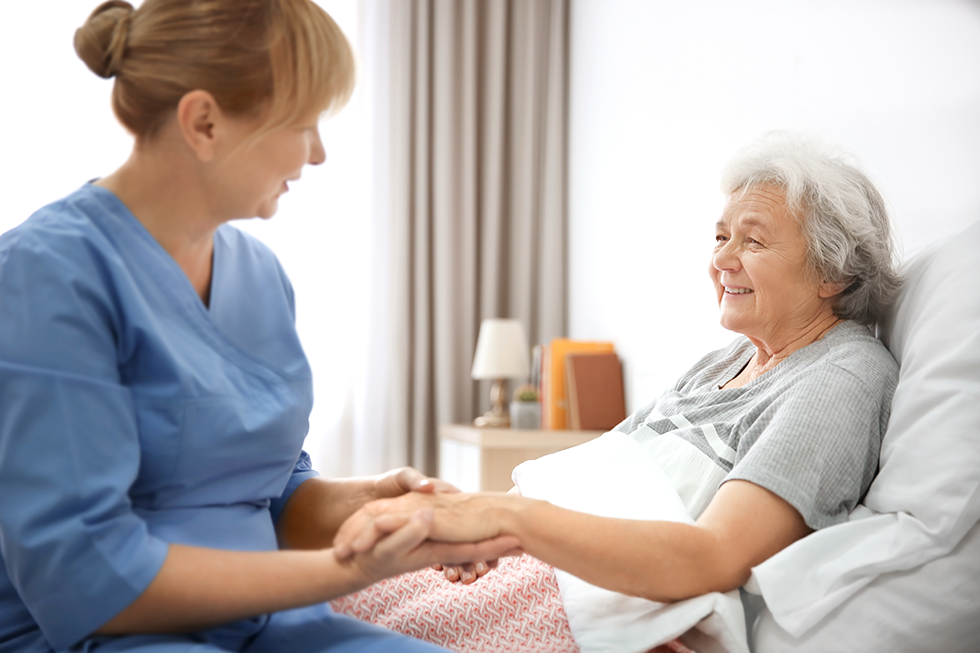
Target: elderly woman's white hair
843,216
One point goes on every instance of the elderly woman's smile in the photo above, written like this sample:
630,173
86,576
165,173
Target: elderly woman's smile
759,267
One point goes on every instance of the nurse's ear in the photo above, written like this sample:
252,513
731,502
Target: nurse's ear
200,119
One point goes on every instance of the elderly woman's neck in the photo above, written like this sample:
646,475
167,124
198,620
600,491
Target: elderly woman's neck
770,353
776,350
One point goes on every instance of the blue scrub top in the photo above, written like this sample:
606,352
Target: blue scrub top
131,415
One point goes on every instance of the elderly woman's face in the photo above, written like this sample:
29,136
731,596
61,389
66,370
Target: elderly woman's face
759,270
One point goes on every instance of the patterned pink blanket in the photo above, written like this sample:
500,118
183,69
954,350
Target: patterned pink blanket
514,608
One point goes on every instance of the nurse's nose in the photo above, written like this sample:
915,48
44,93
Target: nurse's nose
317,153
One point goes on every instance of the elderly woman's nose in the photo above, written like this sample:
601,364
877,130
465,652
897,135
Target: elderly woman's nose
725,257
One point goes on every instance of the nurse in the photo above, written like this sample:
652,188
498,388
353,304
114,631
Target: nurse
154,395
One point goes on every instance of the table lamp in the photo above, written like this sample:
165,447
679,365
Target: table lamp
501,354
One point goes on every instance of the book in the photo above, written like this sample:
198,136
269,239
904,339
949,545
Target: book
555,402
596,400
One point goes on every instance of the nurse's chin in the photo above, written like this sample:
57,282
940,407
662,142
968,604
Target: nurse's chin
268,210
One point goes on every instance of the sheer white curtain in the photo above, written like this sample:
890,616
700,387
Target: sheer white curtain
322,236
355,441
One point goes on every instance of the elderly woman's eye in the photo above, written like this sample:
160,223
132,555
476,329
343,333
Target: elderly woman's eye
719,238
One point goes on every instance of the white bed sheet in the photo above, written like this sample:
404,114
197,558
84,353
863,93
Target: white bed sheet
613,476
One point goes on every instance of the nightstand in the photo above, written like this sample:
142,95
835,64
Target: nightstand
481,459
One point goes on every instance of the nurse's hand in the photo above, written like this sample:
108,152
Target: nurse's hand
407,479
320,505
407,547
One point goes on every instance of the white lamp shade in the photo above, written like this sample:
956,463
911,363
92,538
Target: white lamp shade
501,350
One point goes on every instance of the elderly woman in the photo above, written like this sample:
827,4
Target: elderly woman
765,440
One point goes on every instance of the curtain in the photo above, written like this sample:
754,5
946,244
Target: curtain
469,149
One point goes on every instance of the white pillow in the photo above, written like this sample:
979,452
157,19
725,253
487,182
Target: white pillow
934,607
924,500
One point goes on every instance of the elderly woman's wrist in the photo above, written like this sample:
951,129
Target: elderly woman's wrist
512,513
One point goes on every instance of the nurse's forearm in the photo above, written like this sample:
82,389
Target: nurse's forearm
318,507
199,588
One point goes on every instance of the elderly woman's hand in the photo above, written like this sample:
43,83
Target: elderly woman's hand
457,518
407,548
467,574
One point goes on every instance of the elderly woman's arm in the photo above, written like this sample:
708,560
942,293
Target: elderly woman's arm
662,561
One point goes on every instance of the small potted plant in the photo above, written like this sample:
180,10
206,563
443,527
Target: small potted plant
525,410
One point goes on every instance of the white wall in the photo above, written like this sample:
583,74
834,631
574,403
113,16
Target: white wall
663,93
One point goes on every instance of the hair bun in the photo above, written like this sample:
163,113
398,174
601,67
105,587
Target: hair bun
101,41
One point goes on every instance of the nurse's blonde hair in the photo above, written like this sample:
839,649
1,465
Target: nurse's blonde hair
276,61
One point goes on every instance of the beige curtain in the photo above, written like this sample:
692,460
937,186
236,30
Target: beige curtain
473,208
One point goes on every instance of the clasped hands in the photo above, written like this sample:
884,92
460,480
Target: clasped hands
431,517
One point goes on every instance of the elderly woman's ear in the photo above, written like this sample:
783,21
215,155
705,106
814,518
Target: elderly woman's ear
830,289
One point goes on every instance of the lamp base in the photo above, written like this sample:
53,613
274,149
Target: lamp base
497,417
491,421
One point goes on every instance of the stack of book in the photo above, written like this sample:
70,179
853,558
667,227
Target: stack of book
581,385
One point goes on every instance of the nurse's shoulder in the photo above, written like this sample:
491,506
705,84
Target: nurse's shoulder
61,232
58,271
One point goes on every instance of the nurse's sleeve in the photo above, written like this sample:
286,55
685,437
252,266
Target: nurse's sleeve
302,472
69,449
